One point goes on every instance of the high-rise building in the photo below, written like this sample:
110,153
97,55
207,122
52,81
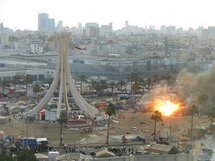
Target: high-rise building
111,26
43,20
60,24
51,24
4,37
79,26
45,23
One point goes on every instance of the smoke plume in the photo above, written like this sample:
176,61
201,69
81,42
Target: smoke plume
189,88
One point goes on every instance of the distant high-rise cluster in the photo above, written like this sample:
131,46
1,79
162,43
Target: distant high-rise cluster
45,23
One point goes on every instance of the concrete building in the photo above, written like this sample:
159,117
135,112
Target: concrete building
37,74
105,30
211,30
36,49
4,41
36,46
92,29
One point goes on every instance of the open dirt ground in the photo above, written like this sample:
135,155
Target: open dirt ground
129,123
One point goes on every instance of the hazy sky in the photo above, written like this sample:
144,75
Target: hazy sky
22,14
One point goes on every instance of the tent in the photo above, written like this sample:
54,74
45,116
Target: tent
162,149
3,120
104,154
69,157
73,157
42,114
41,157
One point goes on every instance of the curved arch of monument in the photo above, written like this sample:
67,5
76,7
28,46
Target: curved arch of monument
64,79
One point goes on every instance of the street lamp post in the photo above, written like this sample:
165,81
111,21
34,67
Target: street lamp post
170,130
27,126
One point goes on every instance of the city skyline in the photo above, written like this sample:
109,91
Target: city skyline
23,14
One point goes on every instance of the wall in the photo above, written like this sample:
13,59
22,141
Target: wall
171,157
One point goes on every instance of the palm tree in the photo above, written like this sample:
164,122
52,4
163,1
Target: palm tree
137,85
99,86
82,78
135,82
28,79
194,110
211,114
112,85
103,85
131,79
49,81
156,78
110,111
95,85
36,88
121,84
3,85
17,79
157,117
62,120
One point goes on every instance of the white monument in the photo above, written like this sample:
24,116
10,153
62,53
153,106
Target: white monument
64,80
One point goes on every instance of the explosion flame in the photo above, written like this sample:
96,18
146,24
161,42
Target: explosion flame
167,108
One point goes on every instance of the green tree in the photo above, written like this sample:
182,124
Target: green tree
157,117
6,157
194,110
62,120
82,78
36,88
26,155
110,111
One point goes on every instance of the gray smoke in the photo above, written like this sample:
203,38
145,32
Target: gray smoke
197,88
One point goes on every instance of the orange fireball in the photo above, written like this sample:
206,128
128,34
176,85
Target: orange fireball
167,108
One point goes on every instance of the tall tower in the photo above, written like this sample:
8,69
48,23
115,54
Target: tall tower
1,28
64,80
111,26
126,23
